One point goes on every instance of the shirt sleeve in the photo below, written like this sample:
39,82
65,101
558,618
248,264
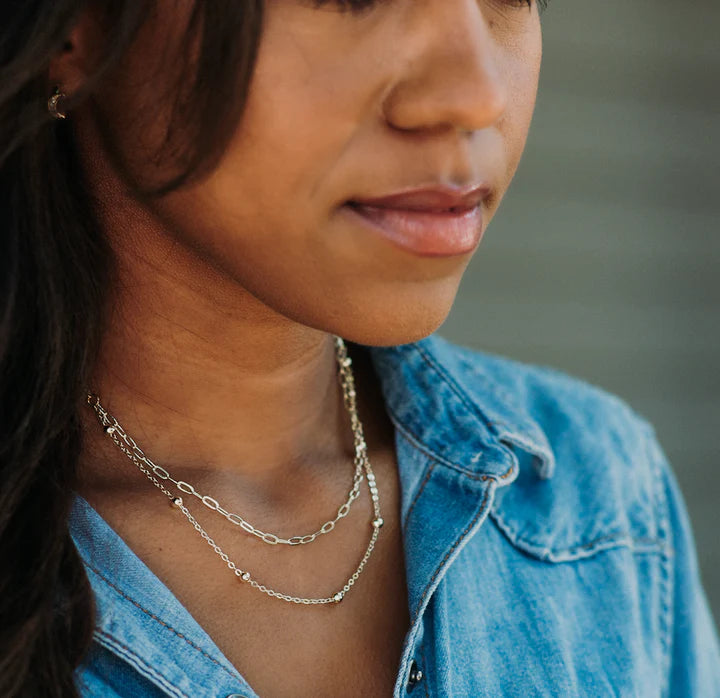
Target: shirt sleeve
693,651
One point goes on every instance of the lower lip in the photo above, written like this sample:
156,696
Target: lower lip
421,232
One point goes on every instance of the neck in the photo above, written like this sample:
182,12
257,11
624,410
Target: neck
212,384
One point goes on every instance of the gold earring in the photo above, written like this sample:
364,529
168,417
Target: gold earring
53,103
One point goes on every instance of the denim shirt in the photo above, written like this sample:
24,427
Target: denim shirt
548,550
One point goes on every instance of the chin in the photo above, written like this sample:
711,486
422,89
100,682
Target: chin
366,309
391,325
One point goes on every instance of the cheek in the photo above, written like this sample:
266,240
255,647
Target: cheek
523,71
526,76
267,215
303,108
263,216
277,171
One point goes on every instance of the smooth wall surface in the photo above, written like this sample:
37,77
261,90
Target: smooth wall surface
604,258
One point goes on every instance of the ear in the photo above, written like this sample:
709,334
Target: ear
70,67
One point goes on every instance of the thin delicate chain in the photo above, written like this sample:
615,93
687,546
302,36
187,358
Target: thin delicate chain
157,474
128,446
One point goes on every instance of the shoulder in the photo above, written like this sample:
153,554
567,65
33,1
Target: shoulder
516,392
605,511
600,485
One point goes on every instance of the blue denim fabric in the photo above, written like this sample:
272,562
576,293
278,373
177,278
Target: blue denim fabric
548,550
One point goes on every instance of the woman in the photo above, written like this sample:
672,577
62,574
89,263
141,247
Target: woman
200,200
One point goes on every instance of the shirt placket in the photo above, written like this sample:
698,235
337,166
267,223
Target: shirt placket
450,507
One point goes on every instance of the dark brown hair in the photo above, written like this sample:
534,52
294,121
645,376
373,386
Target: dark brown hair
54,268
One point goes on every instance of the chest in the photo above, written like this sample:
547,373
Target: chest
351,648
333,650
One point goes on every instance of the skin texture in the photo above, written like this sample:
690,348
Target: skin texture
218,357
229,289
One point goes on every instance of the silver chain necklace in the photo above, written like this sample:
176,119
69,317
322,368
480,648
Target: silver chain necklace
157,474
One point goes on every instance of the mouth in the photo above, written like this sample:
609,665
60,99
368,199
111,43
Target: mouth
409,209
436,198
426,231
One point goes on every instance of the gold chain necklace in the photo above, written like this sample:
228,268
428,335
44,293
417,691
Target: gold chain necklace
157,475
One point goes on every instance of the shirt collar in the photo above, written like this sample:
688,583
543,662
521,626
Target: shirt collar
456,403
140,620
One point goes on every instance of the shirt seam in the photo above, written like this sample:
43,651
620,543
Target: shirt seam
428,472
535,547
178,634
481,509
666,580
456,389
425,679
115,646
411,438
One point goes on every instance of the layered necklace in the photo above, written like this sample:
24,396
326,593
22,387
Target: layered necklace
165,482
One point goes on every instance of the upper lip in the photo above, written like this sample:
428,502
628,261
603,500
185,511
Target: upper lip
432,198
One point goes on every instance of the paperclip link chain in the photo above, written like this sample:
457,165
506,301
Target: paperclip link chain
157,474
128,446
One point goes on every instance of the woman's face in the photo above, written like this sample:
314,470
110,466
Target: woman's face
345,106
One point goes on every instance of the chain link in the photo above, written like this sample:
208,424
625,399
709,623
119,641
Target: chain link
157,475
135,453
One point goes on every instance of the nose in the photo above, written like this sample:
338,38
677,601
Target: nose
453,78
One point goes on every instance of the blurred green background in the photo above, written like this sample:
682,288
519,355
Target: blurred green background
604,258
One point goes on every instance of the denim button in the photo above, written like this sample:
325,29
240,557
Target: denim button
237,695
415,676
